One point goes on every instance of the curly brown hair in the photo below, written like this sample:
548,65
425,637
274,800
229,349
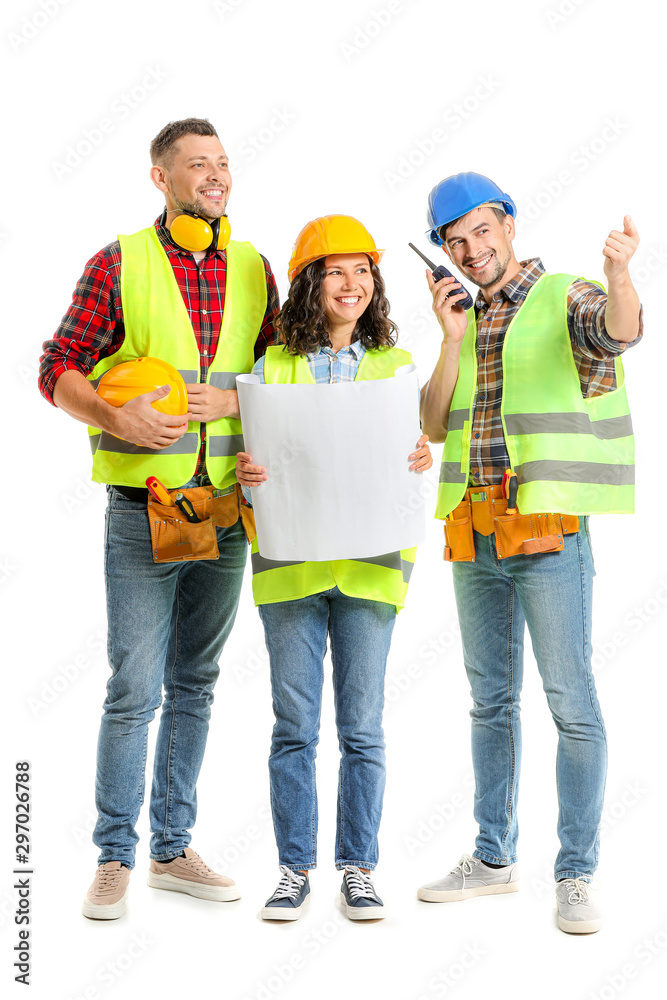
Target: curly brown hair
302,321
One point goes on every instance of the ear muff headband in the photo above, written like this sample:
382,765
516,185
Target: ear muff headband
195,234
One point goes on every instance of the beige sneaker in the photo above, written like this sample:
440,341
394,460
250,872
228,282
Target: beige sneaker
105,900
191,875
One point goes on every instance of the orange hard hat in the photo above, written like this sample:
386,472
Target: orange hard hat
132,378
331,234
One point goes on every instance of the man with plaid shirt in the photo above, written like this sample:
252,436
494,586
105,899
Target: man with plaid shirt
551,394
167,622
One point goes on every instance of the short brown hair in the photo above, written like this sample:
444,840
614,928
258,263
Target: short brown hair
162,146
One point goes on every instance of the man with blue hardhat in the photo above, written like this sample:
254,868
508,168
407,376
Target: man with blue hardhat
528,396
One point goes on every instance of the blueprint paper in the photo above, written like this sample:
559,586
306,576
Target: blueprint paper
339,484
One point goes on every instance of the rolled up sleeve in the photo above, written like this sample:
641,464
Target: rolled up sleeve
586,309
86,331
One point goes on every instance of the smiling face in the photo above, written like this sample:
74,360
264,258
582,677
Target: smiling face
480,244
347,288
196,178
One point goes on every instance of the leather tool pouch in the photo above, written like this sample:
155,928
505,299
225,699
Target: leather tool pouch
459,541
228,508
175,539
516,534
247,516
528,534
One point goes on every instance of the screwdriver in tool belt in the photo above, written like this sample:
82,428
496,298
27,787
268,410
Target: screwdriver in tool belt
185,507
159,491
441,272
510,490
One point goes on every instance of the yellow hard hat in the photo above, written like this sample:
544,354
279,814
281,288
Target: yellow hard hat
132,378
331,234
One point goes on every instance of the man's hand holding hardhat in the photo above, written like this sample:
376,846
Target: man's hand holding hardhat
139,423
153,419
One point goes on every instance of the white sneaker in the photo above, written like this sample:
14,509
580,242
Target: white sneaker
577,914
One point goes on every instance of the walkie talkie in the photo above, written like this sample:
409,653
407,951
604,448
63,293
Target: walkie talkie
441,272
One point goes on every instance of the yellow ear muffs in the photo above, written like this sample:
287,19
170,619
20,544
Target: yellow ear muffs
195,234
191,232
224,232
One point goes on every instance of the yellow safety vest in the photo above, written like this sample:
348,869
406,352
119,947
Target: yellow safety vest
157,325
571,454
376,578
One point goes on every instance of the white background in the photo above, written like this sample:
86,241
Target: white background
339,101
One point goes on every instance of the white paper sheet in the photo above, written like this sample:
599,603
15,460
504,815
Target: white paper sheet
339,484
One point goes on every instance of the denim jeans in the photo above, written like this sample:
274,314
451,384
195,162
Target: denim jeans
167,624
296,638
552,593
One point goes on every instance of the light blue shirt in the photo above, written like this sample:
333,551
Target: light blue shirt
326,366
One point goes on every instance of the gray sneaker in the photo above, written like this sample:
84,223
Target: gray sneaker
576,913
471,877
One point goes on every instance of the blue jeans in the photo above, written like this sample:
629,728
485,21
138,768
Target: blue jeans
296,638
167,623
552,593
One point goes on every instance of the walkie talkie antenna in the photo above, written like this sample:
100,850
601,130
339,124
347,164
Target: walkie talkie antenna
423,256
441,272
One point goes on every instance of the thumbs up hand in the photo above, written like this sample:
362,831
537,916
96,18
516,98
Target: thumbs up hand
619,249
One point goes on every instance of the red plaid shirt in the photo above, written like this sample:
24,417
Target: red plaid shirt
593,350
93,328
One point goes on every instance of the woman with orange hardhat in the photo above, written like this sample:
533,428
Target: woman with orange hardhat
335,327
331,234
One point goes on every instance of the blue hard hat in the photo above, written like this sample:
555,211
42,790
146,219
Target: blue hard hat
459,194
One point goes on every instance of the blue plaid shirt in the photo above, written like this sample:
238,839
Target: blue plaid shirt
327,367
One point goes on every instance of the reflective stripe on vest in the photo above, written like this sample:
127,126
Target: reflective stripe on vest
571,455
157,324
376,578
392,560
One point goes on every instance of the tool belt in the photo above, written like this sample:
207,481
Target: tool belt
176,539
484,509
